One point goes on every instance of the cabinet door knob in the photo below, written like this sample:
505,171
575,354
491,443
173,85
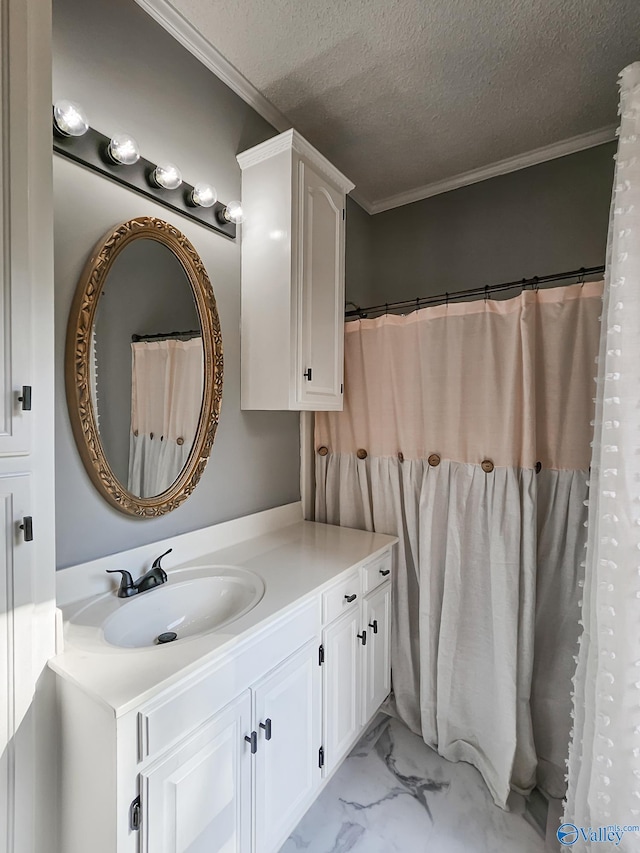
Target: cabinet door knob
374,626
350,598
25,399
267,728
385,572
253,740
363,637
27,528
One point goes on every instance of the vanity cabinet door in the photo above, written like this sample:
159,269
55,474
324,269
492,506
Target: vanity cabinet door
197,799
376,680
343,653
320,330
288,707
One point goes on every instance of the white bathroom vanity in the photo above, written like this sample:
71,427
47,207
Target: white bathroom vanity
220,740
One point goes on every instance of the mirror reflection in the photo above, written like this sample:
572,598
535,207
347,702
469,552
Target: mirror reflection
147,368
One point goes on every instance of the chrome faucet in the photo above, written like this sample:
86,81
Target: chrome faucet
154,577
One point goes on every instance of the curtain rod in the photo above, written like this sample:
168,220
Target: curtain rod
192,333
421,301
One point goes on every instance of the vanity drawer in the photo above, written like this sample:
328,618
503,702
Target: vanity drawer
177,712
376,572
341,597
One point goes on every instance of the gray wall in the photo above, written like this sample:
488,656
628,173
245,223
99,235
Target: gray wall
147,291
536,221
131,75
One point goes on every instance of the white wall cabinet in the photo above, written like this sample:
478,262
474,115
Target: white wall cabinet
229,758
292,303
27,568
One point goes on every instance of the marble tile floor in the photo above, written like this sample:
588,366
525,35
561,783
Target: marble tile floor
394,794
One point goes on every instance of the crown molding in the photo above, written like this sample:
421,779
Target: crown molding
291,140
493,170
188,36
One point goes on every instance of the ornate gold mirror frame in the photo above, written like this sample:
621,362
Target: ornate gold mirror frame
77,375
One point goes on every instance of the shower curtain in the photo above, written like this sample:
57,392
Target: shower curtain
466,432
166,398
604,765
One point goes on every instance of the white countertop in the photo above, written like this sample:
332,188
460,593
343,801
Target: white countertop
295,562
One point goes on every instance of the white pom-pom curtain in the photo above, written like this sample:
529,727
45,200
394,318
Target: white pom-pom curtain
466,431
604,763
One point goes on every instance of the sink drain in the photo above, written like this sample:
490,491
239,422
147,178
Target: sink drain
167,637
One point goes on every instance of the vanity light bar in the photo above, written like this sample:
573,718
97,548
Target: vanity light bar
92,150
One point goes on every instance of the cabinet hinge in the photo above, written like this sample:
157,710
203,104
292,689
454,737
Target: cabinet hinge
321,757
321,655
135,814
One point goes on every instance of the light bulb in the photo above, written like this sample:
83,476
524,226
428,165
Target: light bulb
167,176
123,149
233,213
69,118
204,195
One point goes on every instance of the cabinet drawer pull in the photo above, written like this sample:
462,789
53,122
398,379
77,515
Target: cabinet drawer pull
385,572
350,598
308,373
374,626
267,728
363,637
253,740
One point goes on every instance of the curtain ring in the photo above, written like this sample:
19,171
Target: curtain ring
446,298
581,276
417,302
536,283
386,307
486,292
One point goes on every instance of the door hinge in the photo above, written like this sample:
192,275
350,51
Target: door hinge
321,655
135,814
321,757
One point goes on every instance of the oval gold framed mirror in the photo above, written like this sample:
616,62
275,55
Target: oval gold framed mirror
144,367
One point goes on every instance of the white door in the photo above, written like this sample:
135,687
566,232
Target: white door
320,293
16,615
197,799
343,653
377,672
288,710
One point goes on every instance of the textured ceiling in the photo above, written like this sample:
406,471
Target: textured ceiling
407,93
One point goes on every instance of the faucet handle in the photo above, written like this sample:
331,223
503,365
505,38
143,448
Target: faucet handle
156,562
127,586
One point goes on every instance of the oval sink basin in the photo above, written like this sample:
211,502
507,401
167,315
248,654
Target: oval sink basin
191,603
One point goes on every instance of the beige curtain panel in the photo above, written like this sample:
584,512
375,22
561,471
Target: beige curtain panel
447,413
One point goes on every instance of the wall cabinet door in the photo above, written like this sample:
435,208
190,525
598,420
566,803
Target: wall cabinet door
197,799
320,291
376,680
343,654
287,707
16,616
